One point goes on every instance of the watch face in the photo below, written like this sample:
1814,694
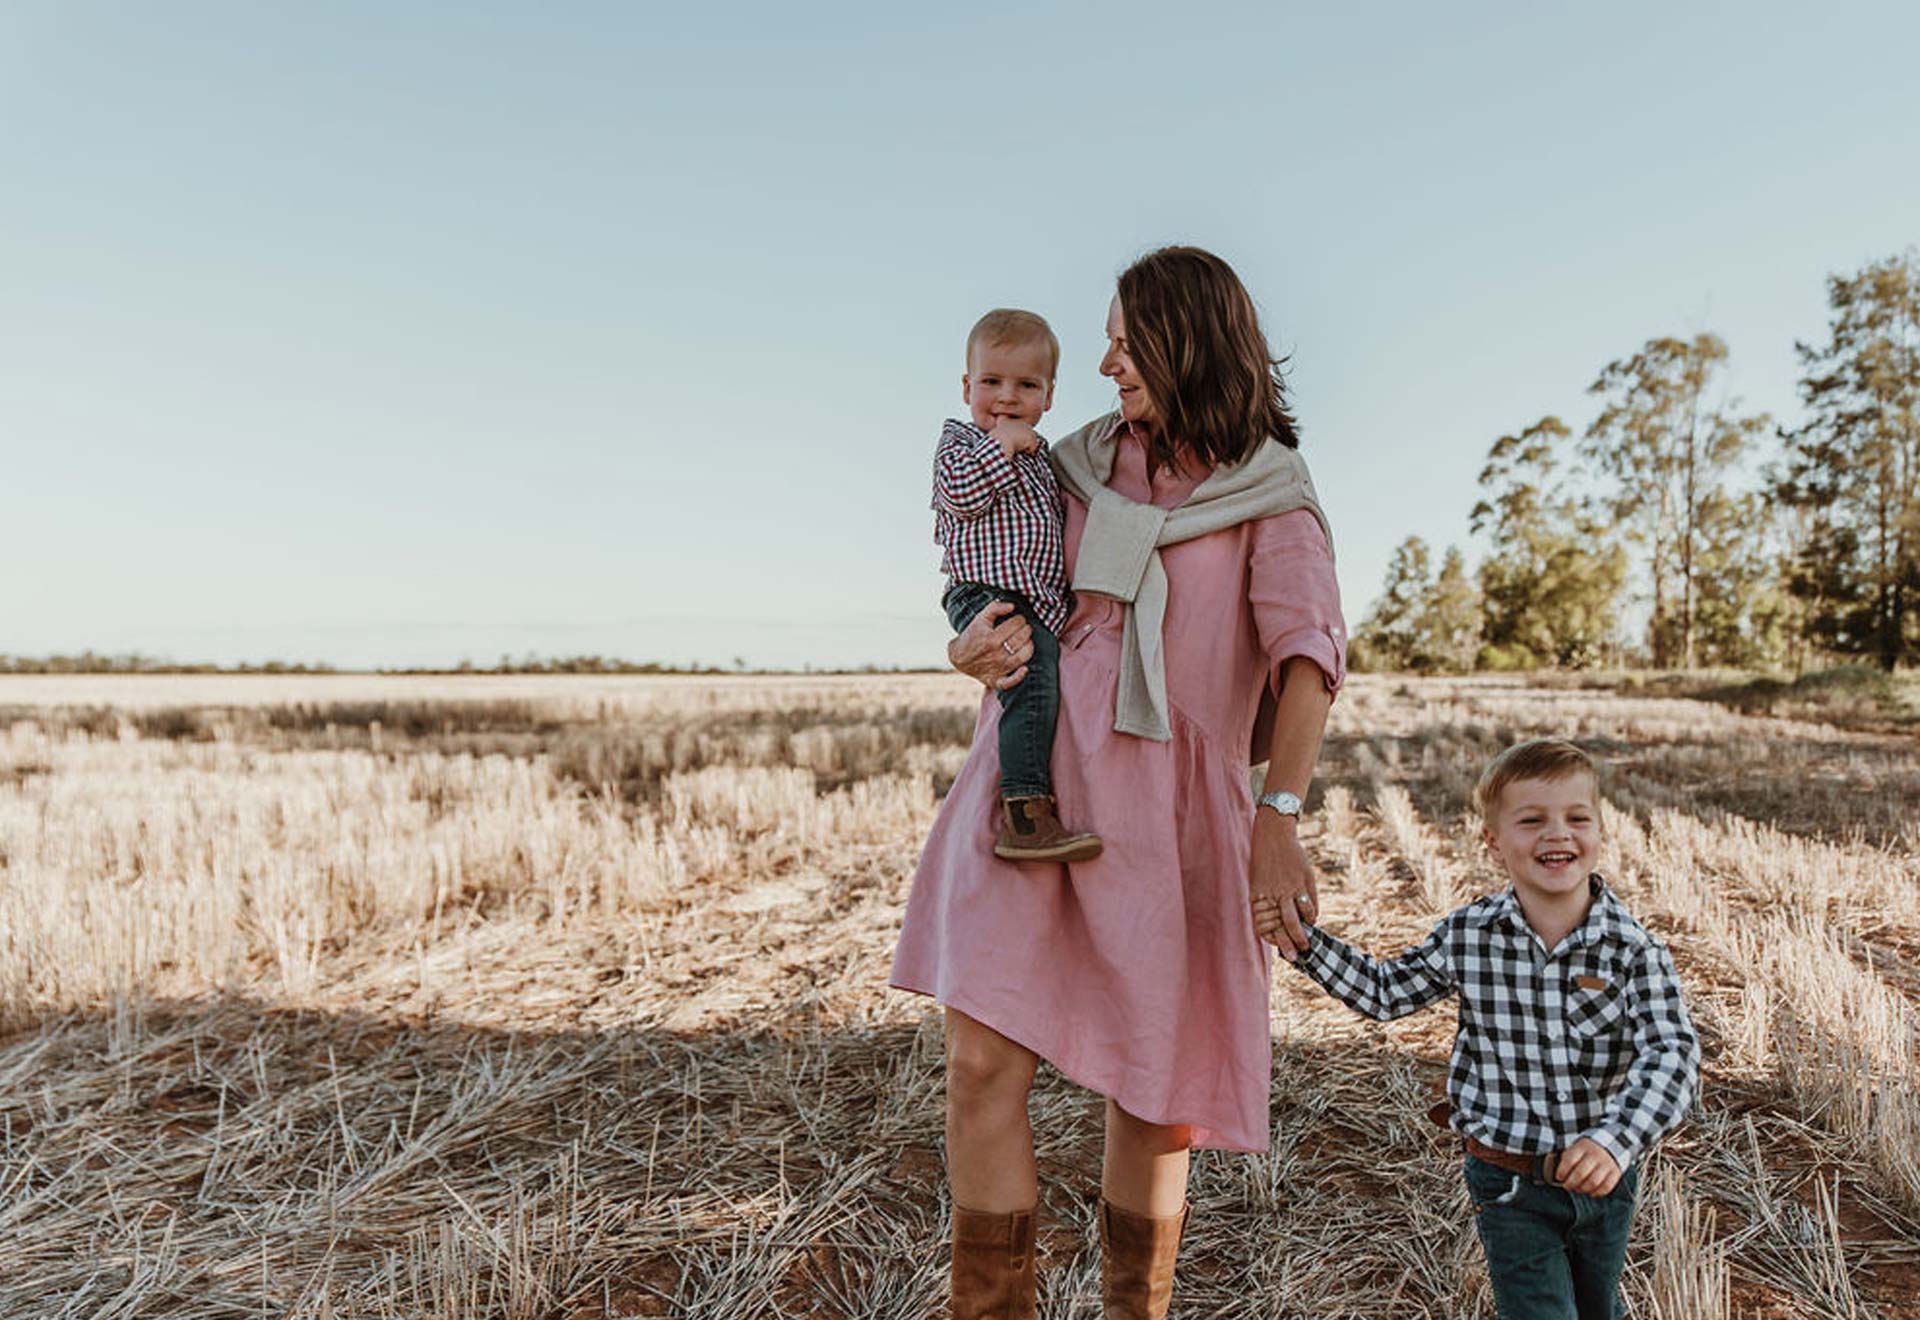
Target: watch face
1287,804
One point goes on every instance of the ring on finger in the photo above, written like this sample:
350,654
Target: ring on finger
1007,647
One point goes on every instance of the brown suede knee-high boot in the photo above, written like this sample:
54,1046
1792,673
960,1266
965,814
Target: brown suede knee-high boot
993,1269
1137,1253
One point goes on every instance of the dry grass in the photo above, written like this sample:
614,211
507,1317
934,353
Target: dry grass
542,997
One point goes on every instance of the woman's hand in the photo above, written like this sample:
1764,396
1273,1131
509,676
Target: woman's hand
995,647
1281,885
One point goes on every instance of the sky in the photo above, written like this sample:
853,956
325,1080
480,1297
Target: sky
378,334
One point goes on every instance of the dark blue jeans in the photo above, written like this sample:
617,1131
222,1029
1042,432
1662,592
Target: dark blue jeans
1029,708
1552,1254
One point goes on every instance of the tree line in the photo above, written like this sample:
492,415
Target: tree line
1755,544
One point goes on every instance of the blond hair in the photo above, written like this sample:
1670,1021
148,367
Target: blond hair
1537,758
1009,326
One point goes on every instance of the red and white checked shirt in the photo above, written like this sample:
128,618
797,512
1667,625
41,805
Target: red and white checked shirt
999,519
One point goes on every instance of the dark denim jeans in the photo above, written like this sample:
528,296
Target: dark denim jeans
1552,1254
1029,708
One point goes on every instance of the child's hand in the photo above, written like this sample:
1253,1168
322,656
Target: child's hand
1270,926
1585,1167
1015,437
1266,918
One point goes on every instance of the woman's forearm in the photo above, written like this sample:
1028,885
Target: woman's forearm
1280,879
1299,724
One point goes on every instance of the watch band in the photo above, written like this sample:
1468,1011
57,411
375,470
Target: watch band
1287,804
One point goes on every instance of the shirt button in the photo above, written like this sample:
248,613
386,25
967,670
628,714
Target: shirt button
1563,1095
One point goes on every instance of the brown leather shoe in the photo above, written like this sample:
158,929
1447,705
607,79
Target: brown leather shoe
1137,1253
993,1274
1030,831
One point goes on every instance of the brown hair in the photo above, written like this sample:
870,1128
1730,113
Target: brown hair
1010,325
1195,337
1537,758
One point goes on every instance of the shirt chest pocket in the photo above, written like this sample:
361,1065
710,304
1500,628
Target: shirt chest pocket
1596,1003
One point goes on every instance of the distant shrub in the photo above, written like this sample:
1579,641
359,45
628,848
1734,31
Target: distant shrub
178,723
416,719
1844,690
1506,658
1851,681
94,721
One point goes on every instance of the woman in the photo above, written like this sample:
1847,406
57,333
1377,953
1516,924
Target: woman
1204,582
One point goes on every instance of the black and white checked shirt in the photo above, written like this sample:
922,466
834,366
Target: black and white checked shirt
999,519
1590,1039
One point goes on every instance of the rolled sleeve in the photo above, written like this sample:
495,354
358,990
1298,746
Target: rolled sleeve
1296,597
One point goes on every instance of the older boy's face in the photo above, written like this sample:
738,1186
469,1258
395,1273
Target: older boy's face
1008,380
1546,833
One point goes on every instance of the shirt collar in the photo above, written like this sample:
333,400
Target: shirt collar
1606,918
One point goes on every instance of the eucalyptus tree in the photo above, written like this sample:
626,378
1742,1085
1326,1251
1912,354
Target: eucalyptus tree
1854,467
1387,635
1670,450
1744,613
1450,624
1551,585
1420,621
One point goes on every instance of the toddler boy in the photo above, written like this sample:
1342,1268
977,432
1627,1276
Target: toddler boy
1574,1052
997,514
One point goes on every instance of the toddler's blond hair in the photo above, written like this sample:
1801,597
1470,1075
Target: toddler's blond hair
1010,325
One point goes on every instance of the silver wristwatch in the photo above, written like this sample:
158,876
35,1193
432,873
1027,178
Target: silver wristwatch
1287,804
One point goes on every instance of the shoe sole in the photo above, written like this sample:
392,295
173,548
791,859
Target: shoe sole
1081,851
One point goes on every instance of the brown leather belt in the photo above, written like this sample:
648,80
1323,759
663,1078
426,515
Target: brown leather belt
1537,1168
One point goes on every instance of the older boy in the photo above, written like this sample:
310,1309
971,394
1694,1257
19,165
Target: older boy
1574,1052
997,513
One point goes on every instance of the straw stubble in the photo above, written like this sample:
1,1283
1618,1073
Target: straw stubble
567,999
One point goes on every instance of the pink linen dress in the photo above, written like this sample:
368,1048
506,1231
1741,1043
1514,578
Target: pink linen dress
1137,974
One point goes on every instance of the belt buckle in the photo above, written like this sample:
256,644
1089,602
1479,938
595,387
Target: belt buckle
1548,1166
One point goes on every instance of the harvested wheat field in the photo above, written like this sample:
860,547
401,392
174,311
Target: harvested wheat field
341,997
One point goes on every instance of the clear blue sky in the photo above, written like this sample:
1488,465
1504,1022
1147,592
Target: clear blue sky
389,333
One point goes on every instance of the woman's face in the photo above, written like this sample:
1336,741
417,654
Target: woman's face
1135,404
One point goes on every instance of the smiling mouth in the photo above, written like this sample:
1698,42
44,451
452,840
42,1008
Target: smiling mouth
1554,858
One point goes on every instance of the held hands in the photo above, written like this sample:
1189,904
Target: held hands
1281,885
1585,1167
1015,437
994,647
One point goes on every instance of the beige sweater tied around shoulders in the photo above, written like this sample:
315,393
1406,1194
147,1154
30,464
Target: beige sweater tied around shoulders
1120,548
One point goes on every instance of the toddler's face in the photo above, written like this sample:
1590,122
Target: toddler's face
1547,833
1008,380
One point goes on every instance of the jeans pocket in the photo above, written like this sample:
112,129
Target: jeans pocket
1490,1185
